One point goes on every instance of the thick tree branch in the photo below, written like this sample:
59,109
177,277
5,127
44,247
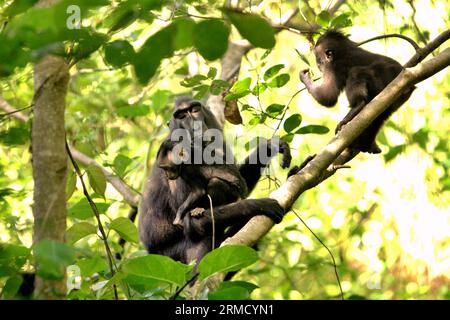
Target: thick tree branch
129,195
335,153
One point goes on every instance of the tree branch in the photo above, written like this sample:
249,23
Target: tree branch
129,195
335,154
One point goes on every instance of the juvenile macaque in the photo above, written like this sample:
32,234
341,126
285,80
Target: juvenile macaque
222,182
361,74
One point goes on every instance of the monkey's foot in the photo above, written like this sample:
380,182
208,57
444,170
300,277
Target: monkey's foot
374,148
340,126
178,223
197,212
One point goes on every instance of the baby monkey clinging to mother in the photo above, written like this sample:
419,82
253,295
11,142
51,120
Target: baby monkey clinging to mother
362,74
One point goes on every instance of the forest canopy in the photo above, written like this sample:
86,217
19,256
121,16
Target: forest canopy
87,88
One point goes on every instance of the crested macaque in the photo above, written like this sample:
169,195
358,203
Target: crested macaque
222,182
361,74
163,197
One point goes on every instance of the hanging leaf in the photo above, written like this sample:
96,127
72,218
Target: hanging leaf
272,71
253,28
279,81
157,267
227,258
119,53
312,129
79,231
211,38
97,180
292,122
125,228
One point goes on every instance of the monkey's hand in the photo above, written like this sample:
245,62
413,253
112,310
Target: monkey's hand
297,169
340,126
285,150
304,76
197,212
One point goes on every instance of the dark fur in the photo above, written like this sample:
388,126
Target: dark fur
162,198
222,182
361,74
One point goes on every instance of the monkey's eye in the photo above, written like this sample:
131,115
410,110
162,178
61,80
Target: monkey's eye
180,115
329,53
195,109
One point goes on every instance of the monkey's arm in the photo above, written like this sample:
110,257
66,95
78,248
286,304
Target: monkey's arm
325,93
350,115
194,196
231,214
251,169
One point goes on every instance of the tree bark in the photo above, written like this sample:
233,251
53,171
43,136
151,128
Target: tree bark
49,161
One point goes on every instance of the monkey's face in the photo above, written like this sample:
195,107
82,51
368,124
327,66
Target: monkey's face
191,116
324,56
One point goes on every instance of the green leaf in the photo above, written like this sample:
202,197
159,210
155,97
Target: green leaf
275,109
235,96
14,136
131,111
157,267
125,228
193,81
211,38
184,33
272,71
253,28
312,128
90,266
254,121
160,99
239,89
17,7
79,231
121,164
241,86
71,184
97,180
201,91
217,86
288,137
233,290
119,53
12,258
292,122
279,81
227,258
11,287
157,47
341,21
259,88
393,152
323,18
82,209
212,73
52,258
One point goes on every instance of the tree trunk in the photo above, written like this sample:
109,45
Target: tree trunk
49,160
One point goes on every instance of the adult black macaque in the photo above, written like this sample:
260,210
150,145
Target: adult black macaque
162,197
222,182
362,74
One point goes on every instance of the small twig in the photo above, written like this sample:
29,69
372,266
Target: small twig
336,167
213,244
391,35
177,293
329,251
94,208
15,111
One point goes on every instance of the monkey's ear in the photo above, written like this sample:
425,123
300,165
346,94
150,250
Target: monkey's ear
329,54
